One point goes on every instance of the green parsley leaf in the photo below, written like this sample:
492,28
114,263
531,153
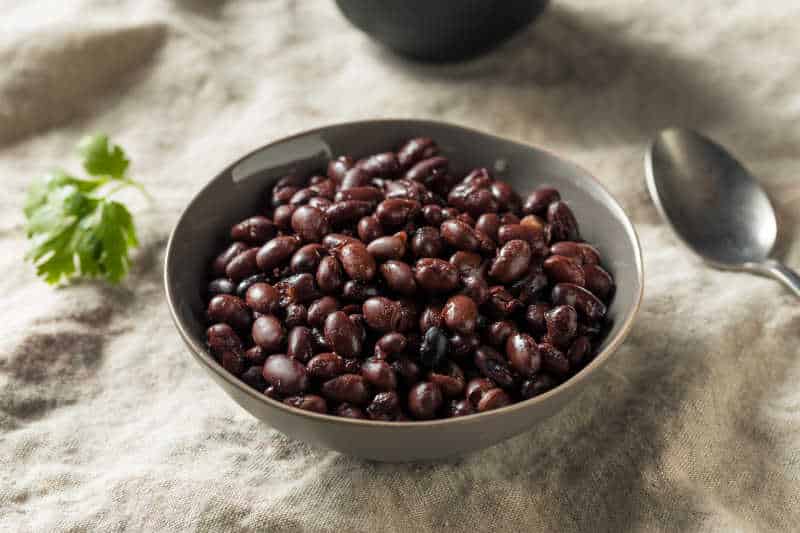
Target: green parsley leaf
74,229
101,159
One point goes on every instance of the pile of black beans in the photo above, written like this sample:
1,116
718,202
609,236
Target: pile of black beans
390,288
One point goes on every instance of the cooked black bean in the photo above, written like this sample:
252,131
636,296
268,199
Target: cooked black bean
299,345
307,258
450,379
243,265
460,313
579,351
325,366
369,229
581,252
357,262
221,262
435,275
466,262
433,215
598,281
554,360
389,247
416,150
384,406
523,354
347,211
493,399
343,335
535,317
399,277
459,235
308,402
296,315
221,286
230,310
268,332
350,388
511,262
243,286
379,374
537,385
385,165
395,212
434,347
285,375
563,269
539,200
233,362
254,377
563,226
222,338
424,400
462,346
373,195
277,252
339,166
283,216
493,366
499,332
460,408
426,170
584,301
562,325
256,355
262,297
254,230
391,344
382,314
502,303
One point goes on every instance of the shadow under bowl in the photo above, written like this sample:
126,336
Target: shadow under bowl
239,191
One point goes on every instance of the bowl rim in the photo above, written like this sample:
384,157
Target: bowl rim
201,354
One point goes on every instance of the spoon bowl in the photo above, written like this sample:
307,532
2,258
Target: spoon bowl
714,204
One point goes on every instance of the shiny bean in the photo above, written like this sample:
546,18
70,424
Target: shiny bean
476,388
277,252
384,165
338,167
308,402
329,277
255,355
433,215
424,400
347,211
357,261
535,238
553,360
299,345
391,344
460,313
373,195
562,222
578,352
426,242
283,216
307,258
325,366
435,275
246,283
355,177
221,286
233,362
369,229
434,348
310,223
382,314
459,235
384,406
343,335
504,195
493,399
582,300
231,310
562,269
501,302
406,370
268,332
415,150
534,223
254,230
461,346
466,262
302,196
528,288
523,354
580,252
598,281
254,377
562,325
538,384
319,310
350,388
476,288
285,375
379,374
298,288
488,223
222,338
281,196
539,200
399,277
336,240
450,380
427,170
512,261
262,298
389,247
395,212
493,366
431,317
243,265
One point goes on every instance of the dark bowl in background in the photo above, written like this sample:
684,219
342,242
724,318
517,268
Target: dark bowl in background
441,30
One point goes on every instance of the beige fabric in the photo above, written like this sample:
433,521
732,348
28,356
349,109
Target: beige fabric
107,425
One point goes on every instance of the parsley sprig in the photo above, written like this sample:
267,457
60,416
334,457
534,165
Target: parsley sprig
75,228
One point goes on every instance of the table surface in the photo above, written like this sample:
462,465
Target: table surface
106,424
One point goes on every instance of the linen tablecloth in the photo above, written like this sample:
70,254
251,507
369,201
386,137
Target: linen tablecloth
106,424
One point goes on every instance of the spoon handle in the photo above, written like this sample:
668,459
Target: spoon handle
781,272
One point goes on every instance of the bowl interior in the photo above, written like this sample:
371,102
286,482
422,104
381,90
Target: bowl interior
239,192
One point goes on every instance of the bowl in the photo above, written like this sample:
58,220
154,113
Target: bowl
441,31
238,191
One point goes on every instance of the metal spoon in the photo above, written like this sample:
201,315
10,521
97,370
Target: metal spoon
714,204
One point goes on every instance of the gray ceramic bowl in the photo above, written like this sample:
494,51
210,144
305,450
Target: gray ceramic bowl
237,192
